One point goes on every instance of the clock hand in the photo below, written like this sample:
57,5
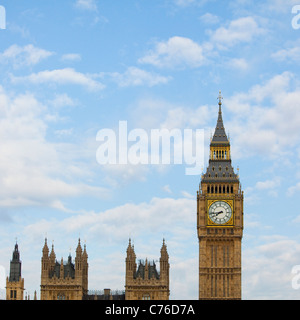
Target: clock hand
217,213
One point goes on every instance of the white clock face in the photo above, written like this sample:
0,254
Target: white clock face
220,212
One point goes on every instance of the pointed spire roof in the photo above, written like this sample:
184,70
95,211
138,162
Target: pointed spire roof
163,251
15,265
84,255
79,248
45,248
220,134
52,253
16,254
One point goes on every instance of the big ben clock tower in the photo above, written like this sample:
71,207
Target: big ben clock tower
220,222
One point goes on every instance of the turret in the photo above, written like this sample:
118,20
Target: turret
164,263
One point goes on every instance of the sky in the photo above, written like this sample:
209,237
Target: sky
70,69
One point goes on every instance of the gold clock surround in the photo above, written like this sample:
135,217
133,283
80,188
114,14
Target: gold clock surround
210,223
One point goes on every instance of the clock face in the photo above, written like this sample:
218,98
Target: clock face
220,212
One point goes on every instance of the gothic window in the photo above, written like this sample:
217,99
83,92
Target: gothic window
61,296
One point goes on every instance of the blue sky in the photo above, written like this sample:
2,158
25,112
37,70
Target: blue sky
71,68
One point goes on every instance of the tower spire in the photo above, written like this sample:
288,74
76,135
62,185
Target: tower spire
220,134
220,100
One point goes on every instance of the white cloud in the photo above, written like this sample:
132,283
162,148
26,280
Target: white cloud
184,3
267,269
24,56
136,77
209,18
71,57
238,64
175,52
155,216
34,171
293,189
268,184
86,5
291,55
280,5
62,76
62,100
238,31
266,118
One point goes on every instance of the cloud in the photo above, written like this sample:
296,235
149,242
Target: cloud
280,5
266,118
186,3
61,76
33,170
240,64
238,31
290,55
293,189
181,52
177,52
268,184
209,18
134,76
136,219
267,269
62,100
71,57
24,56
86,5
